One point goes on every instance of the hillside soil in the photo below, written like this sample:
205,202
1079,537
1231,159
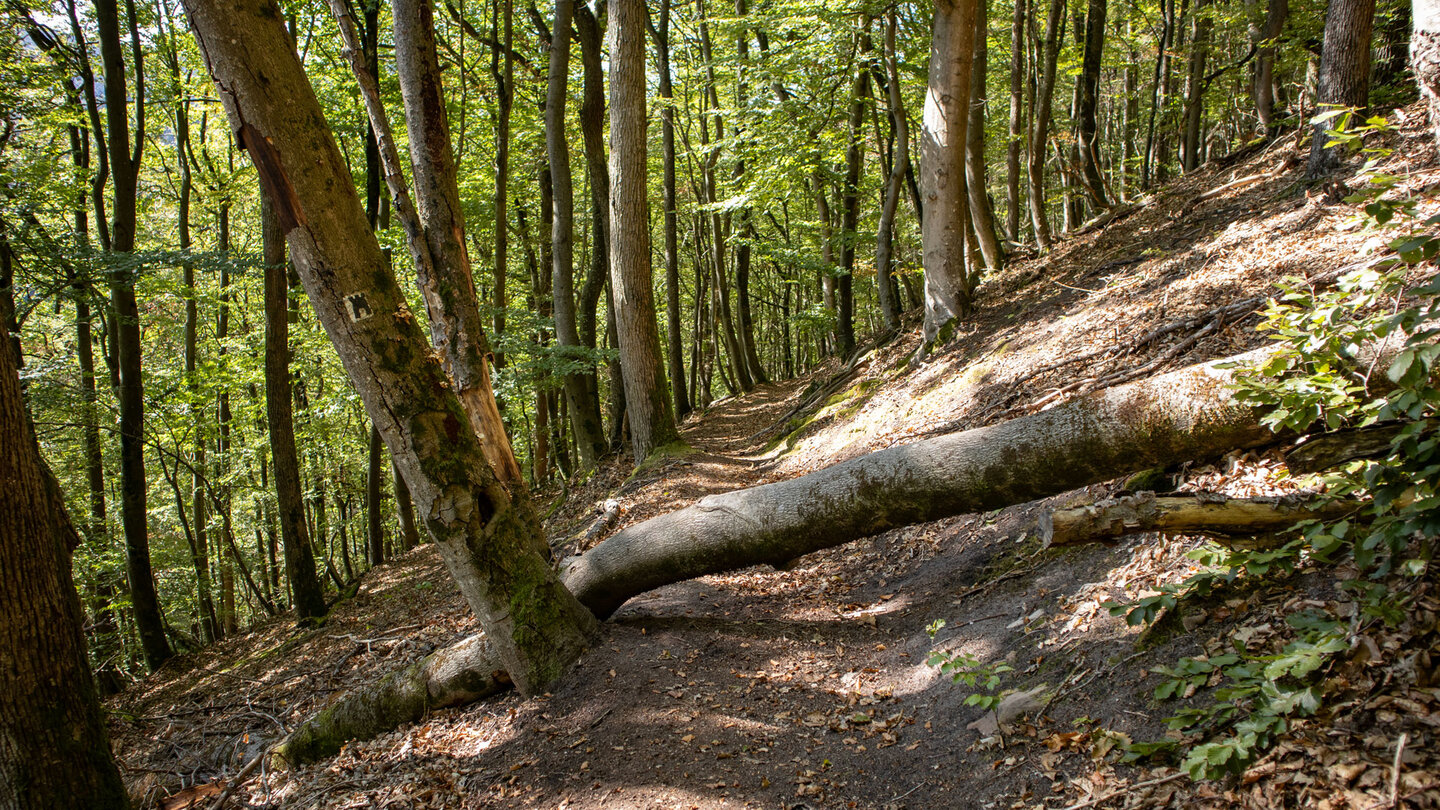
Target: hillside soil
809,687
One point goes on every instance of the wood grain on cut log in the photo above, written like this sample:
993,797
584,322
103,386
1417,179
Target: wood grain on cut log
1234,522
1184,415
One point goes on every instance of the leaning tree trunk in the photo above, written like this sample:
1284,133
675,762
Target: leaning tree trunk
54,752
1186,414
1040,127
484,531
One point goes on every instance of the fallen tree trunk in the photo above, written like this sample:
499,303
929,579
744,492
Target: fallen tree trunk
1238,523
1183,415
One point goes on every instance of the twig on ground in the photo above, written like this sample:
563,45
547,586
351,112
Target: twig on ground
1127,789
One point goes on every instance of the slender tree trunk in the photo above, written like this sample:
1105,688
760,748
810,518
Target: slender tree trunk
1344,73
125,166
745,325
306,594
1190,143
942,157
1276,12
885,231
1017,121
652,420
505,100
672,247
850,197
1089,90
1040,127
54,752
982,216
374,495
584,416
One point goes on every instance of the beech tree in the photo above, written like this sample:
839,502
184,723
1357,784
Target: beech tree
1344,71
651,415
484,530
942,164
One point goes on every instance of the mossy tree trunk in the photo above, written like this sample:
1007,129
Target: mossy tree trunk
485,530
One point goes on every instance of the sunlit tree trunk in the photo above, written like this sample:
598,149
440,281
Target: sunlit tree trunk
942,164
652,421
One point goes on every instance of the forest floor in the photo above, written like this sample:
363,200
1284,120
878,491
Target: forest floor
809,687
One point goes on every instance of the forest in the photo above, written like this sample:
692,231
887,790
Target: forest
528,328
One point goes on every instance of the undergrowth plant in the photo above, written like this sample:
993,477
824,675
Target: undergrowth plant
1363,353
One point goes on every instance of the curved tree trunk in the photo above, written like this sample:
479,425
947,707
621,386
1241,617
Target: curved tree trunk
1040,131
1186,414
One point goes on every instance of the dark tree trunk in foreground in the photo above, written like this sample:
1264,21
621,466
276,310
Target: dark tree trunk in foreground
1344,72
647,398
125,168
1425,57
486,537
1183,415
306,594
54,752
942,165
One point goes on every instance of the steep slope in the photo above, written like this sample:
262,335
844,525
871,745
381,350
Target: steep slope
809,686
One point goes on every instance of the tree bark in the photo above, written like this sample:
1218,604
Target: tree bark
942,157
1425,57
1195,84
125,168
652,421
672,245
1344,73
579,396
1276,13
1040,127
982,215
1185,414
306,594
894,184
54,751
850,198
446,280
1086,125
1017,121
484,530
1234,522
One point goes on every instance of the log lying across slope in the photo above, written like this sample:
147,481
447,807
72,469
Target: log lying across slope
1184,415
